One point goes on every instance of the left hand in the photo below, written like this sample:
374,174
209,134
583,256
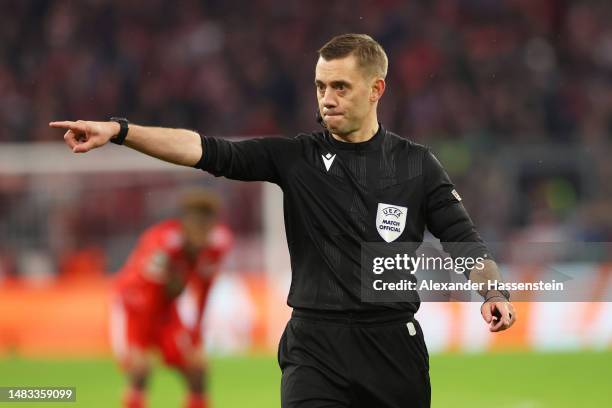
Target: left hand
499,314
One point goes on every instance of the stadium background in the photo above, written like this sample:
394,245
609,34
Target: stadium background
514,96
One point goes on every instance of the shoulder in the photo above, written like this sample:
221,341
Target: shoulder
309,137
314,143
418,158
221,240
290,148
414,155
278,144
395,141
166,235
221,236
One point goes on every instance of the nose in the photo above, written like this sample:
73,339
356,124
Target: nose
329,100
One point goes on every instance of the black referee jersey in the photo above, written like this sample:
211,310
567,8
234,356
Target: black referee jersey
335,196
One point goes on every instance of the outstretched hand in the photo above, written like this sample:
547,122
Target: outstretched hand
499,315
82,136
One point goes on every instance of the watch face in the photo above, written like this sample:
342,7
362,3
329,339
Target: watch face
123,130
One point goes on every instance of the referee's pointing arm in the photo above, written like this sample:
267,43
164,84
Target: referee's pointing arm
178,146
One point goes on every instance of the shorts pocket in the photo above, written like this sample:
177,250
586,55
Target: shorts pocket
413,335
281,347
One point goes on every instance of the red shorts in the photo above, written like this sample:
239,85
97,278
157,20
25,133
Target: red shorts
149,325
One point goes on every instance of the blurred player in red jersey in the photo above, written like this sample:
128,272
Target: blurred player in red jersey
160,295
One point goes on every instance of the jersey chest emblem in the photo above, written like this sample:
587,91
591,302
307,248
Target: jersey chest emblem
390,221
328,159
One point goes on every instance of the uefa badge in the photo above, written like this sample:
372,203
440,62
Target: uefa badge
390,221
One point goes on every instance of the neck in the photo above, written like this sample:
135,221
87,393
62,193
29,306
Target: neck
363,134
191,251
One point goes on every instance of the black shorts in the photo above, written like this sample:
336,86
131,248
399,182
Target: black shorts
337,360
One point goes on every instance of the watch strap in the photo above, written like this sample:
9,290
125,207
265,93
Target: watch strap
119,139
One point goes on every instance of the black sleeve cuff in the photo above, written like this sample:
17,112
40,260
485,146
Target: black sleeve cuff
207,153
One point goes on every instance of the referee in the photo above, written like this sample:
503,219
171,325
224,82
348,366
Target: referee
337,351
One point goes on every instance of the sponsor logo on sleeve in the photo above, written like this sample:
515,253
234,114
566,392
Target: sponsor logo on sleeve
456,195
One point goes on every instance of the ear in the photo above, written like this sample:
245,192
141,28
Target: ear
377,90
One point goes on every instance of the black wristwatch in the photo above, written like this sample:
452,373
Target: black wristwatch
502,293
123,130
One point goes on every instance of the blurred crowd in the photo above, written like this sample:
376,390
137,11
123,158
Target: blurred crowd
491,69
515,96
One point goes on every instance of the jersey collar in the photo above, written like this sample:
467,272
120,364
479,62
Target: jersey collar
373,144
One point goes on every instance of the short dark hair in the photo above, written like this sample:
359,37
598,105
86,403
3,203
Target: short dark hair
370,54
200,201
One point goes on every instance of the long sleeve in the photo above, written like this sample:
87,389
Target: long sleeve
259,159
446,216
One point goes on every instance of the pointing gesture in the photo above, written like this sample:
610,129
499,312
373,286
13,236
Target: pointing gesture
178,146
82,136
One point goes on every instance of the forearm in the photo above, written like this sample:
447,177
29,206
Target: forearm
489,273
178,146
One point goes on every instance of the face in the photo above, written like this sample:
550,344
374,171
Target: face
346,94
196,228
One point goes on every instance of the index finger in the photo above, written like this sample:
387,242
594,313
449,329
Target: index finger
67,124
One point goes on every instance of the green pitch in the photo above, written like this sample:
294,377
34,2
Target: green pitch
514,380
